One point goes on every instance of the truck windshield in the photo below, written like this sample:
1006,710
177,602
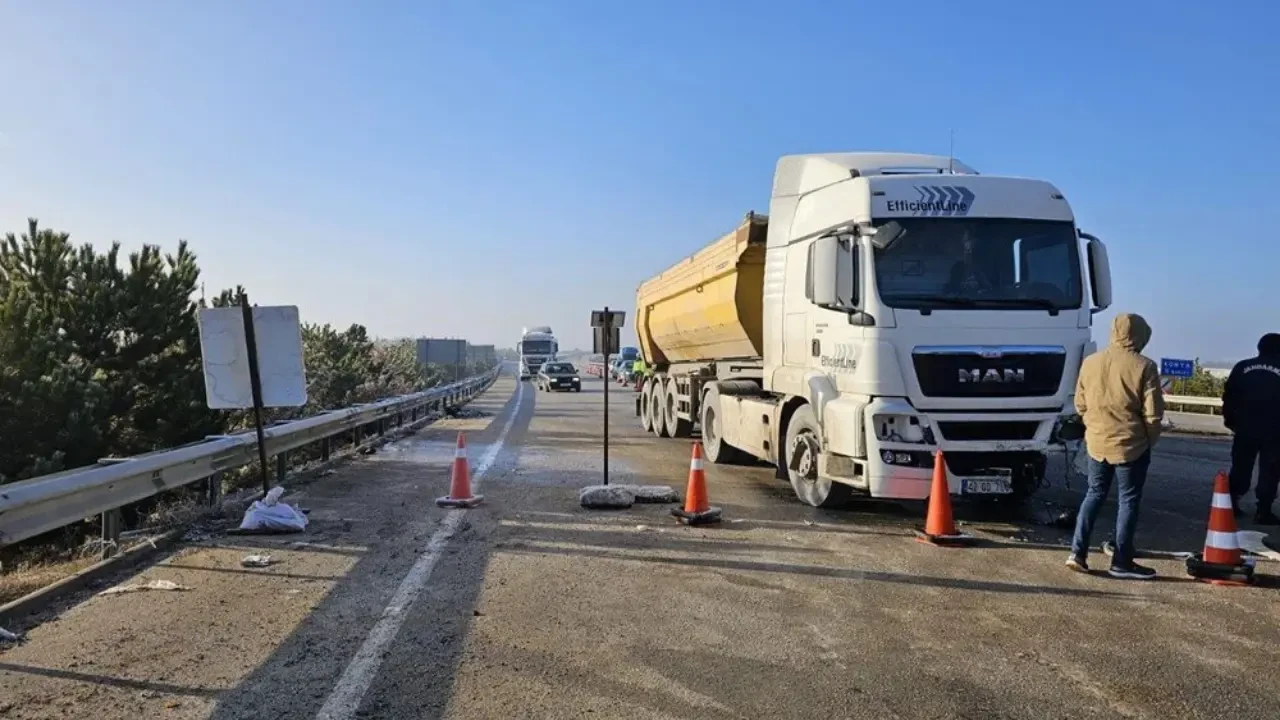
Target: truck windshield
536,347
981,263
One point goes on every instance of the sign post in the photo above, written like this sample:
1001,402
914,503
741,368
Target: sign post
607,324
255,387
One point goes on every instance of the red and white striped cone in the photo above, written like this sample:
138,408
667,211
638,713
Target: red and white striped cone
460,484
1222,562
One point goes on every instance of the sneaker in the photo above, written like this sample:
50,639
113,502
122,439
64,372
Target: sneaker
1108,548
1133,572
1077,563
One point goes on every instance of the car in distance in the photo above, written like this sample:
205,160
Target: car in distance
559,376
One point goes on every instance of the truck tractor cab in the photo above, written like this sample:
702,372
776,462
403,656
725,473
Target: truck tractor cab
890,306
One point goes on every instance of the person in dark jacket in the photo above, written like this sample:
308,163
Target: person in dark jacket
1251,410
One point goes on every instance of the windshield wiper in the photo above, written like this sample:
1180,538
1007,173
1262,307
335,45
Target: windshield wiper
1039,303
968,302
948,300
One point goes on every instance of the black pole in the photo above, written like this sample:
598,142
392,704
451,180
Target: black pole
255,382
606,337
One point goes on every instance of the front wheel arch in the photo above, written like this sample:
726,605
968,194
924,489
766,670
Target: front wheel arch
812,489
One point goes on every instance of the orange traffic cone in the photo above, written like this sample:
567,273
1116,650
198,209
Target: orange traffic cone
460,485
939,524
1222,562
697,509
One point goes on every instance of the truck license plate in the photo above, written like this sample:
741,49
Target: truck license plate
986,486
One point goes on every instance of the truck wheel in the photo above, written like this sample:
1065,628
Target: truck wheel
655,411
718,450
676,426
802,448
646,408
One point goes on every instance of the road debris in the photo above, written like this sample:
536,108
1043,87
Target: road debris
167,585
269,515
9,637
606,497
256,561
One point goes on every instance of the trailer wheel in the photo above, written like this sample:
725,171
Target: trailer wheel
676,426
803,446
655,410
718,450
646,408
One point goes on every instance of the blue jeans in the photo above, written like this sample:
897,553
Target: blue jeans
1131,477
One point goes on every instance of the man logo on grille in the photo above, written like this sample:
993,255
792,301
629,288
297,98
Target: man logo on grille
992,375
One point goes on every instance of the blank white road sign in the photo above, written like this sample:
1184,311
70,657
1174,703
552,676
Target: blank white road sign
226,357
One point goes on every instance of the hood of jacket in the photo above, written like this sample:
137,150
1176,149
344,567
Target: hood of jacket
1130,331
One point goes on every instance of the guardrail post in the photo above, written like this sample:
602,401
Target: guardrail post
213,490
355,436
110,533
282,466
324,450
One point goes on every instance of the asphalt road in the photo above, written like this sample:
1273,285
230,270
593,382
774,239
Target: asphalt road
531,607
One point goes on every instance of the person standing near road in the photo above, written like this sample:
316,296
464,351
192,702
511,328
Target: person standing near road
1118,396
1251,411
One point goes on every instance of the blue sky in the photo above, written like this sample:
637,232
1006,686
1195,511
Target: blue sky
468,168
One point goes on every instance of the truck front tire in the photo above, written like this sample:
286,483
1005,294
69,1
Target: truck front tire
718,450
803,439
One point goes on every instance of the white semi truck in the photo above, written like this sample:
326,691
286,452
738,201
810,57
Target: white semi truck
889,305
537,345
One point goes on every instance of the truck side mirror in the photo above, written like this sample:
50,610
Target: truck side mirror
1099,272
830,280
887,234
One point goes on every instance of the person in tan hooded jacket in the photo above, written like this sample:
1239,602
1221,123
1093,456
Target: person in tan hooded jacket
1118,396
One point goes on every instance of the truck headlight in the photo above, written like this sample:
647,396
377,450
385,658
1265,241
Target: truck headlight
903,428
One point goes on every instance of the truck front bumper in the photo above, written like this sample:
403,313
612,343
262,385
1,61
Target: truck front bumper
984,453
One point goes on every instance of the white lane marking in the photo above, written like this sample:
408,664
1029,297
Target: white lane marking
345,699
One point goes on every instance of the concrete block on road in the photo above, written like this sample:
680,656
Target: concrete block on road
653,493
606,497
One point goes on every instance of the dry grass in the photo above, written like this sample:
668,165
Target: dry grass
27,579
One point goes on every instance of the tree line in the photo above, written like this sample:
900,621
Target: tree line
100,357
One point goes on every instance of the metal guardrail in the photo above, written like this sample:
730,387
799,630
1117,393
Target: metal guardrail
1210,402
31,507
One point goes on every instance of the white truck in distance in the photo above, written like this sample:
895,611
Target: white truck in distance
537,345
889,305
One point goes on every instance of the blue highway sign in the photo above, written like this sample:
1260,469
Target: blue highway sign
1171,367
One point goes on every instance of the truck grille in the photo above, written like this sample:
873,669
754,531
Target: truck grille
989,372
976,431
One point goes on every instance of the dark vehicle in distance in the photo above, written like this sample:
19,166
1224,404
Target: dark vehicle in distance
558,376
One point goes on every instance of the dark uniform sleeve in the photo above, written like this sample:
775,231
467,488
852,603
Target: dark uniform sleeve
1230,397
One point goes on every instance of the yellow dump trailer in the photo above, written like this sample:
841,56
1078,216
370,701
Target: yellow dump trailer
708,306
